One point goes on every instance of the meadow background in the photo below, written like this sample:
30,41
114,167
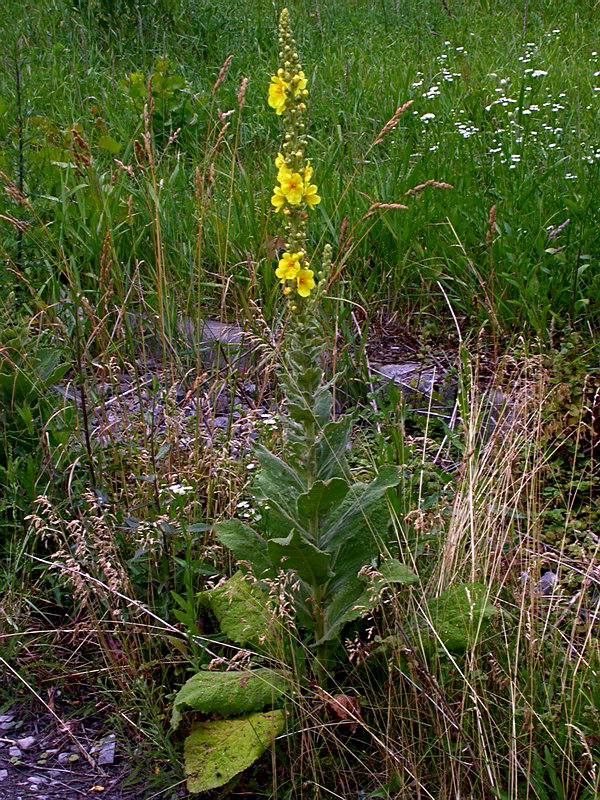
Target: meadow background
120,229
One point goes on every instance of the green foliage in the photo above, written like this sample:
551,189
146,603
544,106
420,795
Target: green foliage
242,611
173,102
33,415
218,750
460,615
318,525
230,694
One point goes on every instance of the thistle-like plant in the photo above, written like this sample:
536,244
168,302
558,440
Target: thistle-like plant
316,523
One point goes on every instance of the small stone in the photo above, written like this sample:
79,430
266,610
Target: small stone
6,717
547,583
63,758
35,779
14,752
7,725
3,774
26,742
107,752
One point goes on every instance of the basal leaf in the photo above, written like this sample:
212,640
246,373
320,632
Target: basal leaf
217,750
392,571
296,553
230,693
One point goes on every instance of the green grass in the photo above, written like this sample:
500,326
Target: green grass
533,156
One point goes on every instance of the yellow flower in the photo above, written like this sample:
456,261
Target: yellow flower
308,171
278,198
282,168
299,82
277,94
305,282
289,267
311,198
292,186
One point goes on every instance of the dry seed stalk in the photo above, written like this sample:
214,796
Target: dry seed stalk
126,168
375,206
241,94
392,122
222,73
431,183
491,223
18,224
12,190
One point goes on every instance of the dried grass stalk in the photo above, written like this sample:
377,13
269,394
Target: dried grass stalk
392,122
376,206
431,183
222,73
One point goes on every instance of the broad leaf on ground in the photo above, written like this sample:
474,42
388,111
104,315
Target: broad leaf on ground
217,750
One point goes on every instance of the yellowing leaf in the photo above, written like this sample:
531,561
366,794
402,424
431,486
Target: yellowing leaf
217,750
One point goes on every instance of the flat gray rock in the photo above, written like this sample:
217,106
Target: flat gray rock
418,383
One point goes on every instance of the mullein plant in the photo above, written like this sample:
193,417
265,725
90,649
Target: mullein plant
319,532
319,545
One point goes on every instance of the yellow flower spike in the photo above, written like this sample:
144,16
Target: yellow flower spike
308,172
289,267
280,161
305,282
292,187
277,94
311,198
278,199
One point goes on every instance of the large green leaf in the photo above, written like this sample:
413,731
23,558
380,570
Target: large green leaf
217,750
351,599
357,509
278,478
296,553
321,498
322,406
349,602
459,614
392,571
242,611
230,693
331,449
245,544
309,380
